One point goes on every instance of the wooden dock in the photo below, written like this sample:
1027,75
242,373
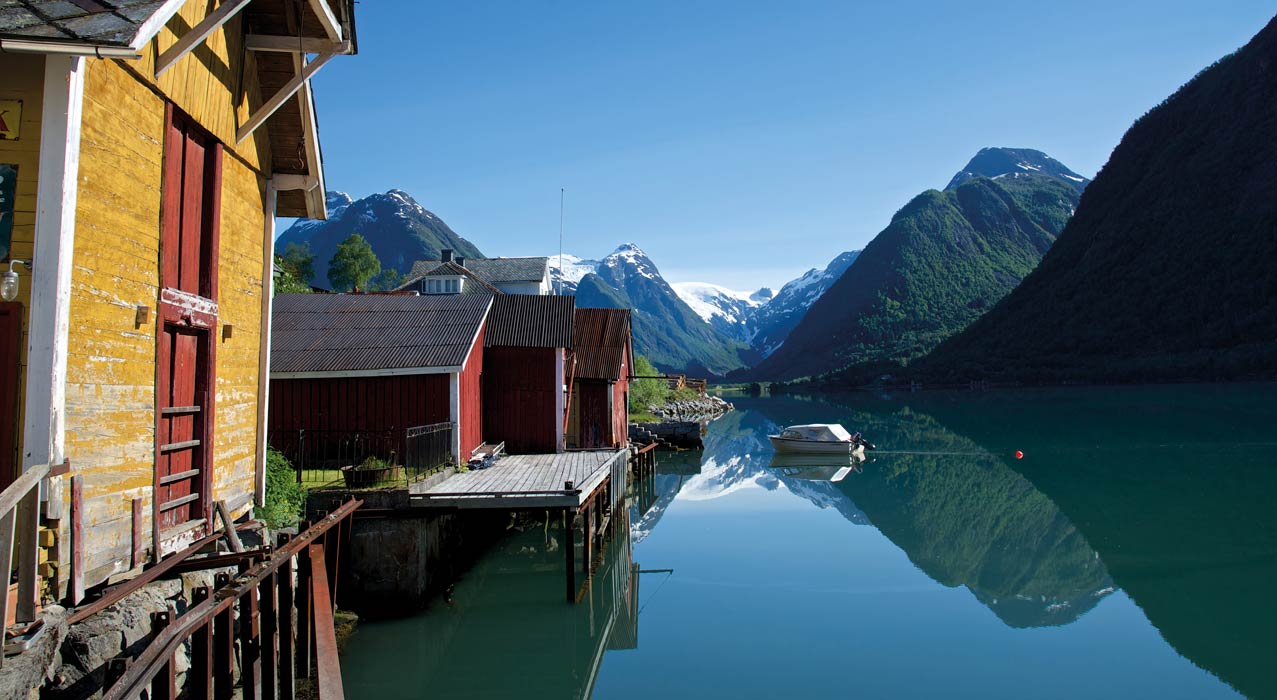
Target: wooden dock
564,480
587,487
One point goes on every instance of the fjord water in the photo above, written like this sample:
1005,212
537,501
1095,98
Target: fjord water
1132,552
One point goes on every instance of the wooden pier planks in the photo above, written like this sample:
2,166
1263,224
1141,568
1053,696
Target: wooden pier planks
524,481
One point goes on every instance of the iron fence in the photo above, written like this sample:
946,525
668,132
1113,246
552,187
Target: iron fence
384,457
427,449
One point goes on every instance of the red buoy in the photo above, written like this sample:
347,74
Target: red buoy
1019,454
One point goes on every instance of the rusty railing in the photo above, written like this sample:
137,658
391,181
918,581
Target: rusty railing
255,608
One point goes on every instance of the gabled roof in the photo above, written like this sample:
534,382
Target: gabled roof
452,269
601,341
495,271
530,321
371,334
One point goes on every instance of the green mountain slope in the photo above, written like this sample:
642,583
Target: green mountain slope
400,231
946,258
1166,271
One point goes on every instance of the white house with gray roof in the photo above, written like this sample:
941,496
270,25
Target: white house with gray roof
452,275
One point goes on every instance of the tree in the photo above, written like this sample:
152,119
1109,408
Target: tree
385,281
646,392
299,262
286,282
353,264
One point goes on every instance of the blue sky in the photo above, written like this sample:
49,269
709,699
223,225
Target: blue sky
736,142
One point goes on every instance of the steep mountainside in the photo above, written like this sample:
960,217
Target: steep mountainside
399,229
773,321
666,330
1012,162
727,310
945,259
1166,271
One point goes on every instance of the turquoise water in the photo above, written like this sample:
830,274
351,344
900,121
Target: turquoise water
1130,553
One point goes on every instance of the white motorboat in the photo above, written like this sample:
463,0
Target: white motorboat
818,438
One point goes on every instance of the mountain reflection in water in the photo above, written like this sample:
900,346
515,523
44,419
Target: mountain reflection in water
1130,553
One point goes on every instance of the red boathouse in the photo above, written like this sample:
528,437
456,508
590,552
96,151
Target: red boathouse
599,369
523,385
377,364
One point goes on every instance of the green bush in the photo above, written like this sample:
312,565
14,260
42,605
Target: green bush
646,392
285,498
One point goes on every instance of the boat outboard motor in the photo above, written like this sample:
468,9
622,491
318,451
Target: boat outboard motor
858,439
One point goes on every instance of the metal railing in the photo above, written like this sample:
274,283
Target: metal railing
276,646
329,457
19,523
428,448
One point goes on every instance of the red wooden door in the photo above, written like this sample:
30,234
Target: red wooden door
187,322
183,403
10,343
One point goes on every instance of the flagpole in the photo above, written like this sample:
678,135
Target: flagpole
560,291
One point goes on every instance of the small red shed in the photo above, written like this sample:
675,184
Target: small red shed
523,385
377,364
599,369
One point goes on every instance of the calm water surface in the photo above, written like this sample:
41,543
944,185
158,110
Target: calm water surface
1131,553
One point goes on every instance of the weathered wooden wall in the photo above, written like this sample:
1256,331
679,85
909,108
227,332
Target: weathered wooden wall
23,80
111,367
519,398
358,403
470,391
594,420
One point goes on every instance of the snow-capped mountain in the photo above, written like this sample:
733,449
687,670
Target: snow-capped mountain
772,322
725,309
400,231
666,330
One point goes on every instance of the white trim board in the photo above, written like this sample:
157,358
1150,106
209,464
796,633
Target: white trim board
348,373
44,422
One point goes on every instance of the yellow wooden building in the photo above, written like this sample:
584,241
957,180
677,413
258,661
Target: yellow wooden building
145,149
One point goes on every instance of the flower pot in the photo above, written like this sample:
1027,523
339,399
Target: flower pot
362,478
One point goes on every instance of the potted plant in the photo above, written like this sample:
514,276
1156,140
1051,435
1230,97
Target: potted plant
371,472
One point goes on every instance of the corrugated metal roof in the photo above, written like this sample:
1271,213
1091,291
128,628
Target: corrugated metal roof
600,340
530,321
493,270
356,332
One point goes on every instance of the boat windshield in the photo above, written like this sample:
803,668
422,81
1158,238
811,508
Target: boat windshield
792,435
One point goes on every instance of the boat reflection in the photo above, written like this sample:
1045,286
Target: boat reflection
816,467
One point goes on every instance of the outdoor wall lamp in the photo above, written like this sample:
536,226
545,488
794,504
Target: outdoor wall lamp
9,280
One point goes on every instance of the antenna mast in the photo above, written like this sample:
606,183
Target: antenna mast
560,290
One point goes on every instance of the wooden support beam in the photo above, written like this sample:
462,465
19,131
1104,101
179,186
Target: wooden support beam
569,549
285,181
228,524
196,36
587,540
294,44
275,102
326,18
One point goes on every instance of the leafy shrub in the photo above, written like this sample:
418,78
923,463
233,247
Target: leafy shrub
646,392
285,498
